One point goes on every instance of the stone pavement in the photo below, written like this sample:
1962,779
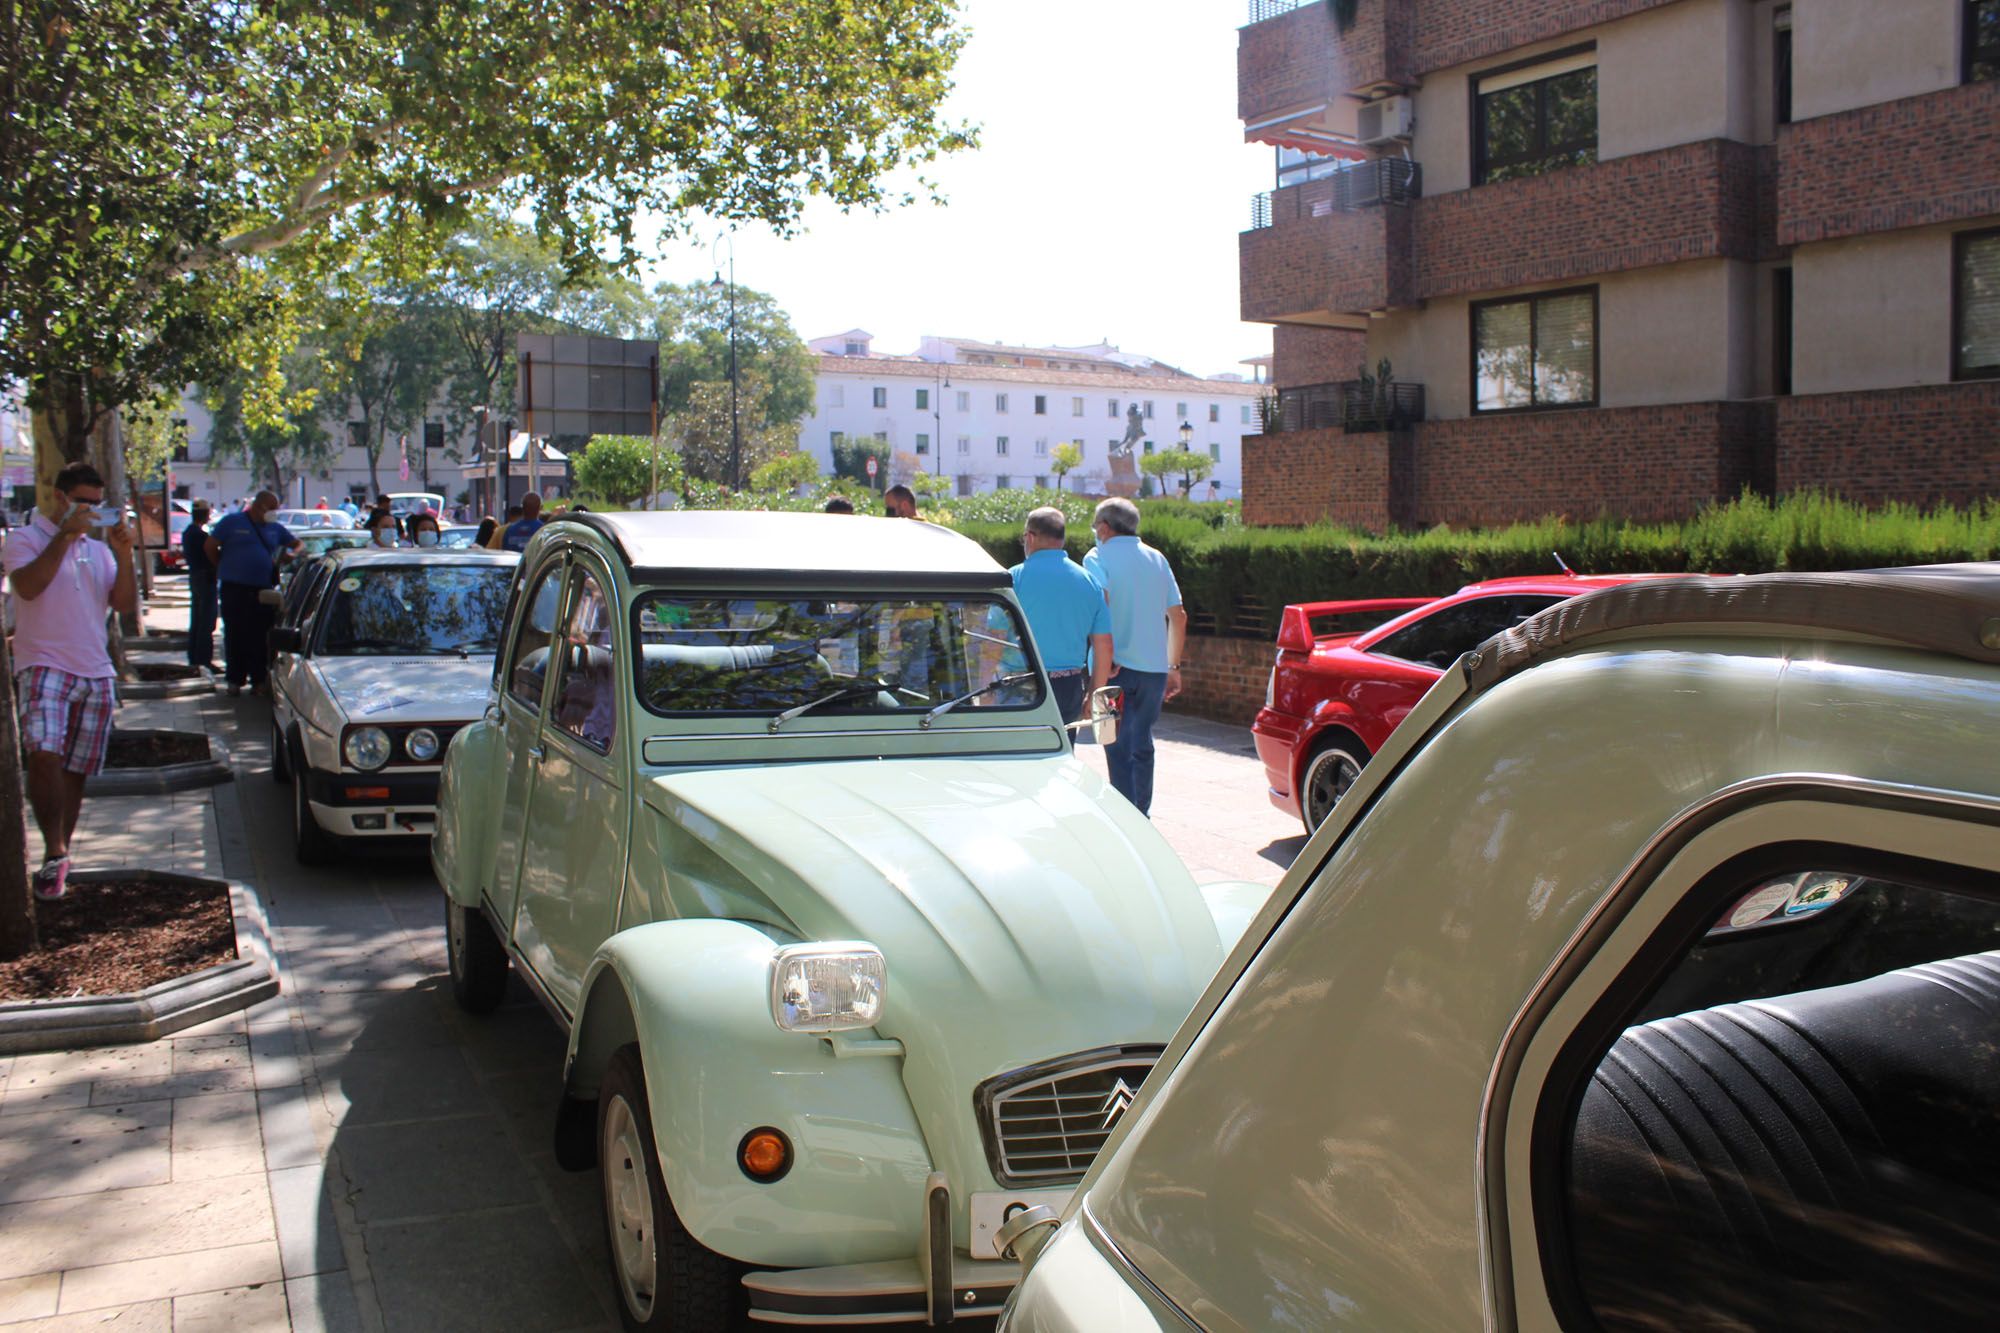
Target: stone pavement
357,1154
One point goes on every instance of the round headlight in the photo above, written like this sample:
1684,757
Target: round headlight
367,747
422,745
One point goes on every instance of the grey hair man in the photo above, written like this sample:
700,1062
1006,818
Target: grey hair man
1066,612
1148,632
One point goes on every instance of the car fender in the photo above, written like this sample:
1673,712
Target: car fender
462,844
695,996
1233,903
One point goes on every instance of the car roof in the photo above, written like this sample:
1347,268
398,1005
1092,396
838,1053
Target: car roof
792,547
361,557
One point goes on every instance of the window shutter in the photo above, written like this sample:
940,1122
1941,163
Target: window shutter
1979,304
1504,356
1566,349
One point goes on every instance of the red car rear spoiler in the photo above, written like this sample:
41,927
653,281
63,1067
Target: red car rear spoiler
1295,628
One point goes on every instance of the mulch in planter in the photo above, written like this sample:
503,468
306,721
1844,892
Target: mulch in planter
154,749
119,936
158,671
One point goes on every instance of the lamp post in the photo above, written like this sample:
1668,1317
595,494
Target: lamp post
735,383
1187,446
940,381
486,460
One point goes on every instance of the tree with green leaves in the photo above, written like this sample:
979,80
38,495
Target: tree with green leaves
692,324
617,470
706,433
1064,459
785,474
1189,465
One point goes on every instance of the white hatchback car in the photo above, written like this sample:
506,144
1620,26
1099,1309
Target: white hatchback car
379,660
312,520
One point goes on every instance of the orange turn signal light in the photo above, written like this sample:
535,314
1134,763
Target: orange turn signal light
765,1155
367,793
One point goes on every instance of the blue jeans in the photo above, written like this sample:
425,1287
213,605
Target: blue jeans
1130,760
201,619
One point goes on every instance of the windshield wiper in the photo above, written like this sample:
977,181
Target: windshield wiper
859,687
998,682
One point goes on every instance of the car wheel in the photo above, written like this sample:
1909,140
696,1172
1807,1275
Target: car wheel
664,1277
281,755
478,963
1333,768
311,844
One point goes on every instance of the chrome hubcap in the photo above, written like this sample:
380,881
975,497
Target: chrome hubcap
1327,781
628,1204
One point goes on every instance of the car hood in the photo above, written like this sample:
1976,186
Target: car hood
1026,910
408,689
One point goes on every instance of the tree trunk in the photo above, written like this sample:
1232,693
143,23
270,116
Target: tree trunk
17,904
107,455
62,433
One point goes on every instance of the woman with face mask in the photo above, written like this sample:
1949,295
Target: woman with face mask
424,530
383,530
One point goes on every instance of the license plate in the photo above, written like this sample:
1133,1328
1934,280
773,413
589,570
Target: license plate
991,1210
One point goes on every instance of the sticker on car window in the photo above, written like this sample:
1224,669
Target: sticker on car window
350,584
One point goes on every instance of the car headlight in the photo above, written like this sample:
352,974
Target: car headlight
827,987
422,745
367,747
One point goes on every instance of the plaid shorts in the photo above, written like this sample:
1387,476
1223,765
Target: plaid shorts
66,715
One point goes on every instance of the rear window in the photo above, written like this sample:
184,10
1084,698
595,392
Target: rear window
431,609
1445,635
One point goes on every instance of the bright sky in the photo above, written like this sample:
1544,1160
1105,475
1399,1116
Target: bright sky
1103,203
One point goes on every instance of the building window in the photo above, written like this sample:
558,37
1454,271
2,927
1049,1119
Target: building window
964,402
1112,403
1982,40
923,443
1076,407
1149,448
1042,446
1041,483
999,402
1149,409
1215,452
1537,119
1180,410
1041,404
965,444
1215,412
1781,64
1002,482
839,438
1535,351
836,395
881,437
1000,445
1975,339
857,349
1245,409
924,398
881,396
964,484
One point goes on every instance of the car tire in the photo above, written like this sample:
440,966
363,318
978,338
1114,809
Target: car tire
663,1277
477,960
281,755
1330,771
311,844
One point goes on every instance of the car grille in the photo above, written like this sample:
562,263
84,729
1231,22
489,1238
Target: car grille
1046,1122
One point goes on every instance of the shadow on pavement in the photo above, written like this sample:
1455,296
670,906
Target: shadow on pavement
1284,851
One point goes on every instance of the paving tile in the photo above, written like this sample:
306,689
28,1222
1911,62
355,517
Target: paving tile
115,1226
26,1096
63,1068
323,1304
373,1087
430,1167
215,1120
349,970
29,1297
213,1269
471,1276
208,1055
115,1092
233,1159
308,1233
84,1121
258,1309
145,1317
376,1020
276,1056
53,1168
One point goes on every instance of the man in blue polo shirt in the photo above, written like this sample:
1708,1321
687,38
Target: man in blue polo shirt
244,548
1148,630
1066,612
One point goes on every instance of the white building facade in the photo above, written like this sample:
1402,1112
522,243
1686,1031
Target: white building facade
989,416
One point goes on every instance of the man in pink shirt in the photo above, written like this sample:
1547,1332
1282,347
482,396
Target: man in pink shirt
64,581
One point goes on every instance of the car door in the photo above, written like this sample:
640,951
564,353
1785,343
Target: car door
574,835
519,691
288,669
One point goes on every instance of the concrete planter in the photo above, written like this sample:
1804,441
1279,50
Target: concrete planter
164,779
156,640
157,1011
172,680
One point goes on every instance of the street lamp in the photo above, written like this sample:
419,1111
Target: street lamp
1187,446
735,384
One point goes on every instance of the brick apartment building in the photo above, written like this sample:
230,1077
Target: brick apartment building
1622,255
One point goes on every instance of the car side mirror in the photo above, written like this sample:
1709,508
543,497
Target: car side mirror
271,596
286,639
1106,706
1022,1236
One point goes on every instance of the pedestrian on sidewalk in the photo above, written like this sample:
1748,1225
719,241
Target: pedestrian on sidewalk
245,549
201,588
1066,612
514,537
1148,631
64,583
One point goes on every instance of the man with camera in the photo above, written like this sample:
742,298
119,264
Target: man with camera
67,570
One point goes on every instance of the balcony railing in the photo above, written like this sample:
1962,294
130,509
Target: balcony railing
1355,406
1270,9
1378,181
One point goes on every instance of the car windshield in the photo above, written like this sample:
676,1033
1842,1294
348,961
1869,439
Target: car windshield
415,609
769,654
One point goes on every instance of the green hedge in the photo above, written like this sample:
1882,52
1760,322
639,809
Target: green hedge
1226,567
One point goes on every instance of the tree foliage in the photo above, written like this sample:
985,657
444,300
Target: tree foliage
1064,459
785,474
1189,465
704,432
692,324
617,470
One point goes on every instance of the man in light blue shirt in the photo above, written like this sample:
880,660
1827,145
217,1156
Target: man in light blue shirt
1148,631
1066,612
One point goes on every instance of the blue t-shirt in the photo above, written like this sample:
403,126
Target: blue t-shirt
1064,608
1140,585
518,533
194,549
249,550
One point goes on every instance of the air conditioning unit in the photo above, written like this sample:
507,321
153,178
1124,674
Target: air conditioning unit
1385,121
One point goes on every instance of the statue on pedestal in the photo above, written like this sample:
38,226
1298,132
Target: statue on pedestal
1124,479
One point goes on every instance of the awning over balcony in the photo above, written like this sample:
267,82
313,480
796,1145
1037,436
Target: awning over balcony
1326,128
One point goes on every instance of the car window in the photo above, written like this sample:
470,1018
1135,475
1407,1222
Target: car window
587,693
1800,1126
767,654
528,671
417,609
1446,634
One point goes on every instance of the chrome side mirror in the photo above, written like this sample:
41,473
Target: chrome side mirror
1022,1236
1106,706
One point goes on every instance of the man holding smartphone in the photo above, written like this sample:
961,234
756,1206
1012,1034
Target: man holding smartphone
67,568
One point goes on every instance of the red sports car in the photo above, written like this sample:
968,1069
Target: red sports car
1335,695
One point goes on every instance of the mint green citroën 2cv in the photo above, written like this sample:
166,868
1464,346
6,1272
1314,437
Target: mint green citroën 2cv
777,815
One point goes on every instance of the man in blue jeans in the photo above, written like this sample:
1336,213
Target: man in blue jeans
1148,631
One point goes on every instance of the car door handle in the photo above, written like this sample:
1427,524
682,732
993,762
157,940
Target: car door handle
537,752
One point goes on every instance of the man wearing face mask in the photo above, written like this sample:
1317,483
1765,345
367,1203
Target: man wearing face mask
64,681
245,549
